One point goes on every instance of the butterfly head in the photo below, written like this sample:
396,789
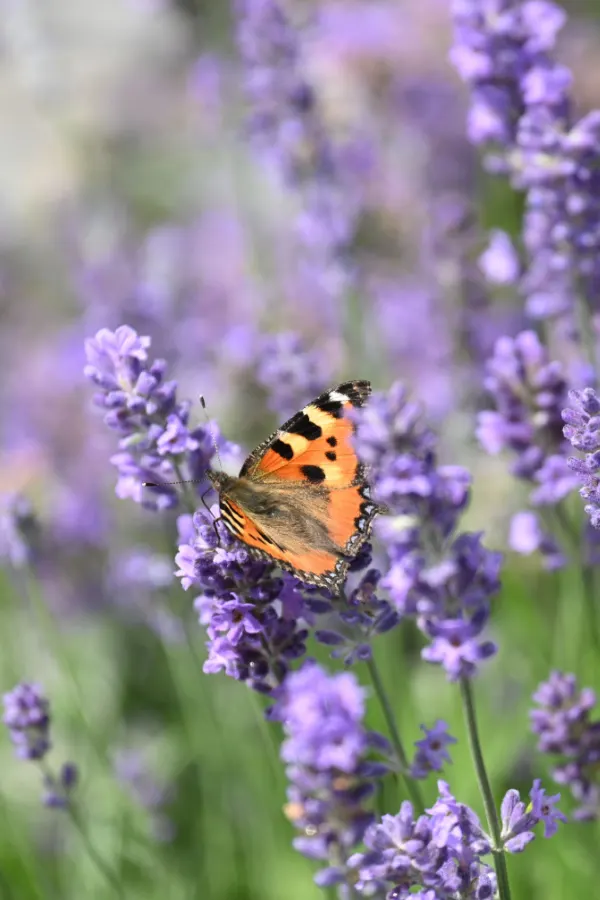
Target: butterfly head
219,480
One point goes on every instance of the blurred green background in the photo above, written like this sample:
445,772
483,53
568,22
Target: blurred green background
124,132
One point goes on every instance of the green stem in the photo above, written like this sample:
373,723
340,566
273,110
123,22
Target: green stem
491,814
411,787
98,861
578,543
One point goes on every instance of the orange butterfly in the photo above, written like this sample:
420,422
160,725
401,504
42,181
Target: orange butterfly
301,498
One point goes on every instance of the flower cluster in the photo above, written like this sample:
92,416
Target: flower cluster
529,393
431,750
441,853
252,616
582,429
562,723
326,749
287,125
143,408
354,621
443,578
521,110
27,717
290,372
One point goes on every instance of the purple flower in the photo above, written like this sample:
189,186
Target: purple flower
564,727
582,429
290,373
326,749
500,262
442,578
544,809
142,407
529,395
431,750
288,128
521,110
19,531
58,789
253,617
440,852
27,717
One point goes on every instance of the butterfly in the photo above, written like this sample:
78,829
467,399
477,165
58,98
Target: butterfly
302,499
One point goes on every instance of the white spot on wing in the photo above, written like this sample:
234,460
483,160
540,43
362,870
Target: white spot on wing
339,398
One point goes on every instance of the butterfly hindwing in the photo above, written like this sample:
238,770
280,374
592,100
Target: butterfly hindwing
315,565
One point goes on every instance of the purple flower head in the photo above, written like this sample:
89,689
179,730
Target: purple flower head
529,394
252,616
142,407
521,111
526,536
565,729
499,262
354,622
27,717
544,809
431,750
290,373
288,128
326,748
444,579
582,429
439,854
19,531
58,789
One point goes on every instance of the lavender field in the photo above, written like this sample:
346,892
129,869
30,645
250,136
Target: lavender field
210,213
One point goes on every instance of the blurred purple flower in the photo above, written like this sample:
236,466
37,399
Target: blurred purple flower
443,579
521,109
564,728
27,717
431,750
132,770
287,127
499,262
19,531
326,748
526,536
291,374
582,429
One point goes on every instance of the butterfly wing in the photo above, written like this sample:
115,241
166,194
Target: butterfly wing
311,461
309,562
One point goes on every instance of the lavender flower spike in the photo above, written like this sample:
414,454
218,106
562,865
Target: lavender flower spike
565,729
27,717
582,429
142,407
326,748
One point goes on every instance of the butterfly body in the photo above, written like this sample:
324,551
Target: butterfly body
301,498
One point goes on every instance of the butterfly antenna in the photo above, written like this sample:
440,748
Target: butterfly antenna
212,434
154,484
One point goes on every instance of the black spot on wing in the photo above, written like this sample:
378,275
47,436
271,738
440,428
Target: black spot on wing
314,474
326,405
301,424
331,455
357,392
284,450
332,441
